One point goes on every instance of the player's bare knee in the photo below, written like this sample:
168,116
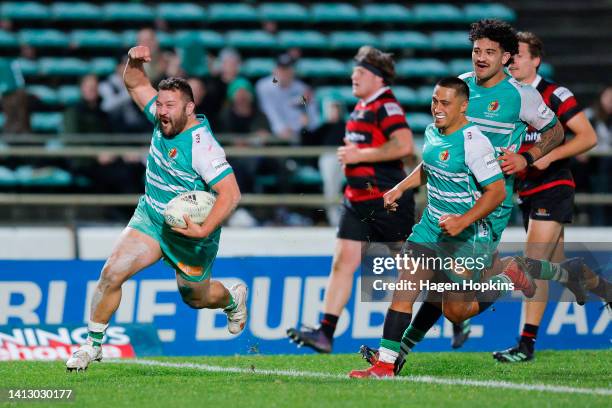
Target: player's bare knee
111,278
454,312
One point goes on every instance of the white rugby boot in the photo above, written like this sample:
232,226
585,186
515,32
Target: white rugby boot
236,319
81,358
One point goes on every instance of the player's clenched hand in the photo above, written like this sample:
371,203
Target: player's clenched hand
511,162
349,153
452,224
192,230
390,199
140,53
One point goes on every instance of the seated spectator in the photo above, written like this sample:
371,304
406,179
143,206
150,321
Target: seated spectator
160,63
14,98
285,102
123,114
241,115
223,72
199,93
87,115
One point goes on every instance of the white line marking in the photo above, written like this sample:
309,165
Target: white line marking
413,378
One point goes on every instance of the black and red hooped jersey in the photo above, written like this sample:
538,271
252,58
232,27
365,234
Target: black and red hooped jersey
562,101
370,125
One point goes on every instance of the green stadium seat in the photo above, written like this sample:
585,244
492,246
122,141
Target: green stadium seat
257,67
308,39
385,13
1,123
75,11
68,94
232,12
283,12
334,12
46,95
28,67
205,38
250,39
63,67
193,60
178,12
342,94
460,66
546,70
8,40
7,176
96,39
415,40
44,176
44,38
423,95
129,39
24,10
437,13
475,12
103,66
451,40
421,68
321,68
405,95
47,122
418,121
127,12
351,39
306,176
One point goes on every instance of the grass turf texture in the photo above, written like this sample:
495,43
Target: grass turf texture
152,386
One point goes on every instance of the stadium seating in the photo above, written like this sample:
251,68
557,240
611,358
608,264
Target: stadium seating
27,10
96,39
437,14
307,39
127,12
286,12
351,39
418,121
179,12
205,38
402,40
254,39
75,11
421,68
475,12
46,122
232,12
47,38
385,13
257,67
321,67
334,12
45,94
450,40
68,94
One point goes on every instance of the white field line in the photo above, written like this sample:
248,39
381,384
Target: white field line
420,379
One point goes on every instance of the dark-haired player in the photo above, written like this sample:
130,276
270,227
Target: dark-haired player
377,138
546,191
184,156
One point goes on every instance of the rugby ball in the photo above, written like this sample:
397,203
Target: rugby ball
195,204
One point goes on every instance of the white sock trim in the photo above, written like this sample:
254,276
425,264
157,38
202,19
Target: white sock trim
387,356
97,327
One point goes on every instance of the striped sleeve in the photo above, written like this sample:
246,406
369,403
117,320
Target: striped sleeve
391,117
150,109
564,104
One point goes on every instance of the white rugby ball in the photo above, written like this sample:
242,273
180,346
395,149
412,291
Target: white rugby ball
195,204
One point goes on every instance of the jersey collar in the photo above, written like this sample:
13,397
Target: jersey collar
536,81
381,91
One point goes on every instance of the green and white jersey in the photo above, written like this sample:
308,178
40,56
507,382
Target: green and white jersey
458,166
503,113
192,160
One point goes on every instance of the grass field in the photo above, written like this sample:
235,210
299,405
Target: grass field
556,378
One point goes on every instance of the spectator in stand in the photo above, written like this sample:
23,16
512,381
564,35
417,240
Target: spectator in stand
87,115
14,98
124,115
199,93
224,71
241,116
160,63
285,102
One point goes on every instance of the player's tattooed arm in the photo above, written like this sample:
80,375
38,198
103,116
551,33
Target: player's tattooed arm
135,78
550,139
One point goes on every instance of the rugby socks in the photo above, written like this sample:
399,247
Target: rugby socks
95,334
426,317
528,336
328,325
545,270
395,324
232,305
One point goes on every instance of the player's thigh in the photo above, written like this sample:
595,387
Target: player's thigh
542,238
458,306
347,256
133,251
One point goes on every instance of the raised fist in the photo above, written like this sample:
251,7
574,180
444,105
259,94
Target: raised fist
140,53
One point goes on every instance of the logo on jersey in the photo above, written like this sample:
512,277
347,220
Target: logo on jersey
444,155
172,153
493,106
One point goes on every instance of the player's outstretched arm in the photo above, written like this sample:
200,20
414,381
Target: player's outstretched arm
228,197
416,178
494,194
135,79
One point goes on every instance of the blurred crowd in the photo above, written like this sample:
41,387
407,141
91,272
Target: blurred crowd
278,109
